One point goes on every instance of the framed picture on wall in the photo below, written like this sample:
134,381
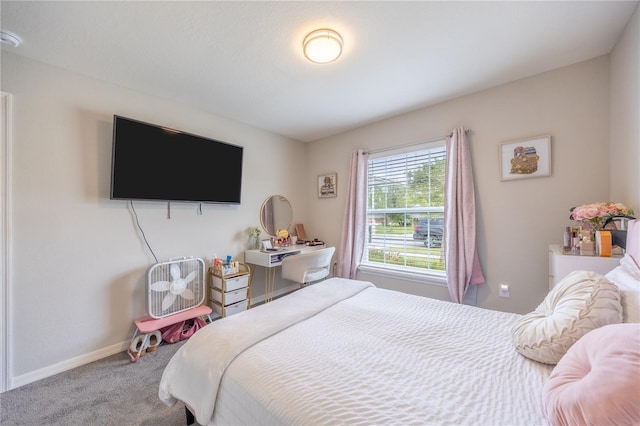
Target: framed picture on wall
526,158
328,185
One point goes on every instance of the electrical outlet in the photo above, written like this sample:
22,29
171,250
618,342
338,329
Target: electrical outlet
504,290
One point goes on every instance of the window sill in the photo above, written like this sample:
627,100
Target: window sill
425,278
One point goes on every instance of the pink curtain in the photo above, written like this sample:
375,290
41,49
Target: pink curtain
461,257
355,216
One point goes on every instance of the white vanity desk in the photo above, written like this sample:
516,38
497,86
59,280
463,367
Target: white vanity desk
272,259
560,264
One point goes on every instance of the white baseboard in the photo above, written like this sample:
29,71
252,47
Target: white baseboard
16,382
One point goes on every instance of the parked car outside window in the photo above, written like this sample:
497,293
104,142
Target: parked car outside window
430,231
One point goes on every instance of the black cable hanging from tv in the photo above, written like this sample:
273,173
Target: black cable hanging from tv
144,237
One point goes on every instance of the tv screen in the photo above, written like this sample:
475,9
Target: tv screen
151,162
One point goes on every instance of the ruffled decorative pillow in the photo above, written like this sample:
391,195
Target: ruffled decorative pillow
579,303
627,278
598,381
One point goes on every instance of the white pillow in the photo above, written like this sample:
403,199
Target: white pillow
579,303
627,278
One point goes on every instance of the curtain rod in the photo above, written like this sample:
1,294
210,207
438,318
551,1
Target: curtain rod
391,148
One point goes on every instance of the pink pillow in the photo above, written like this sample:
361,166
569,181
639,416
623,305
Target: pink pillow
597,382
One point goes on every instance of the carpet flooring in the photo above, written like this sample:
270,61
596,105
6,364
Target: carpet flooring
111,391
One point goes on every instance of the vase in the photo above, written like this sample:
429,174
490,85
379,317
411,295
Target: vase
590,227
254,242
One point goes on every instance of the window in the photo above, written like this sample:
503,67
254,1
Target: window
405,210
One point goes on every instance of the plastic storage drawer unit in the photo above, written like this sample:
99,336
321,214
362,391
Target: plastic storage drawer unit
225,311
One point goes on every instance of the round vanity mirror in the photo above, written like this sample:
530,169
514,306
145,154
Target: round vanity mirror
275,213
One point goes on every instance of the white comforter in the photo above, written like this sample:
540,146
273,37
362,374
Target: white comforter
345,352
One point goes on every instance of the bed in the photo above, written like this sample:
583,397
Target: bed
346,352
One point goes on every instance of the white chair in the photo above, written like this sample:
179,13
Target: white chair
308,267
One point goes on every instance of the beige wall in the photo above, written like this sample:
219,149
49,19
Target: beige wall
517,219
625,115
78,261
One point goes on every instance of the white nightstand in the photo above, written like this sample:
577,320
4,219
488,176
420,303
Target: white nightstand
561,264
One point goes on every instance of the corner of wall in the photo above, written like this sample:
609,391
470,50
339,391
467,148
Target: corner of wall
624,131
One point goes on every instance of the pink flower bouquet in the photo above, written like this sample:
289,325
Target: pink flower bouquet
595,214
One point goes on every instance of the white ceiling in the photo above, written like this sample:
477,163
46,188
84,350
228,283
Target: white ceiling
243,60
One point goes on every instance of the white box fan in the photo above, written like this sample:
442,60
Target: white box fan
175,286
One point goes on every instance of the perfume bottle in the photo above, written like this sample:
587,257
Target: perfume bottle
567,239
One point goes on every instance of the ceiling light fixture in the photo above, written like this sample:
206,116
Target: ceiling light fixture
9,38
322,46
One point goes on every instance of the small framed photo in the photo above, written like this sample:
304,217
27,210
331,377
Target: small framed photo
328,185
266,245
526,158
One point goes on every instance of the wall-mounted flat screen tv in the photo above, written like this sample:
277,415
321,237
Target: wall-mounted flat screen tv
151,162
